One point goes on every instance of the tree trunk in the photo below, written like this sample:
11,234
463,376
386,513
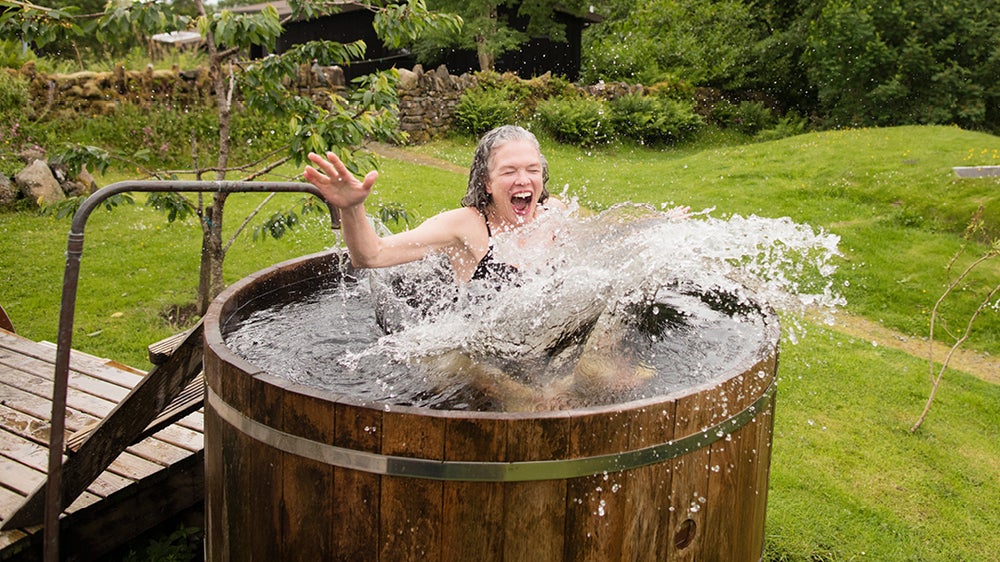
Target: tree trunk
210,280
486,58
213,254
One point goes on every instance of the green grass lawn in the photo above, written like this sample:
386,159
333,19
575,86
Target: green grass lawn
848,480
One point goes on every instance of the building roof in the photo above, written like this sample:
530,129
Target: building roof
178,37
284,10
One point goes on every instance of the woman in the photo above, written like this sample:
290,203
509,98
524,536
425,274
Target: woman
506,191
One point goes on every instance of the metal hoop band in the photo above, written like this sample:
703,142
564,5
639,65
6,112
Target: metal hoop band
522,471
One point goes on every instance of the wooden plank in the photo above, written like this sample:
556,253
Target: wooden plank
133,467
94,366
689,483
357,493
129,465
181,437
82,401
216,517
9,501
22,424
5,323
160,351
189,400
100,517
39,408
36,457
38,375
40,358
15,447
157,452
538,508
411,507
306,516
120,427
20,478
596,518
647,490
472,524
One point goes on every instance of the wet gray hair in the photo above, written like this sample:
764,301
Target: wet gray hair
479,172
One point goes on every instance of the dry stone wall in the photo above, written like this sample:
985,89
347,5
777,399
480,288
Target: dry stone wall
427,98
99,93
427,101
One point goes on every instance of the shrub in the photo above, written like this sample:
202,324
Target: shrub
577,120
654,120
787,126
13,96
482,108
155,138
672,87
254,133
13,54
922,61
747,117
15,133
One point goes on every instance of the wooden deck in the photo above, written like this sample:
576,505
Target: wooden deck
153,480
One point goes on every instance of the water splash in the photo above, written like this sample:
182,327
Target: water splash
627,303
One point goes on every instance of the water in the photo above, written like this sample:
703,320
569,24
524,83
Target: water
623,305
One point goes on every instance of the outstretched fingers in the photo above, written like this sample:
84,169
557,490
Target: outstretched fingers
328,170
336,182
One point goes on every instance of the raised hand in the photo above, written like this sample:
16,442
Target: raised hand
339,187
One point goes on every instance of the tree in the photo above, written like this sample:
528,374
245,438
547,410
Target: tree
919,61
704,43
848,62
490,26
368,111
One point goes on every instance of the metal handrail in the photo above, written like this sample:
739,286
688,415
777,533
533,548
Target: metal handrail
74,252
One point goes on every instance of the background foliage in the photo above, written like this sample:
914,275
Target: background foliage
846,62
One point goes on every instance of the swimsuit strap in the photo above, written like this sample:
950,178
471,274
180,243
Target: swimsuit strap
488,267
489,233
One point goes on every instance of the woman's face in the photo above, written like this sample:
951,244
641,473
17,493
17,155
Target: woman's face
515,182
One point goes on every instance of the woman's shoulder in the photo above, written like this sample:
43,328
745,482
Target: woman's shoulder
461,217
461,225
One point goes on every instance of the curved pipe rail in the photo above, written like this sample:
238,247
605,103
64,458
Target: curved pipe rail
74,252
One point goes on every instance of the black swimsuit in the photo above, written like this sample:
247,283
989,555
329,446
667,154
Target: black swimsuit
491,269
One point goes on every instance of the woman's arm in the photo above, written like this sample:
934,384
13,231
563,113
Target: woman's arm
367,249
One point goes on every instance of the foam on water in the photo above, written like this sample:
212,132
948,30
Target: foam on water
625,304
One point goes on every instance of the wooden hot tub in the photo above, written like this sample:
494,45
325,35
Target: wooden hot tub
296,473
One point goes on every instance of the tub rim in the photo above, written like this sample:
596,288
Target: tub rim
213,338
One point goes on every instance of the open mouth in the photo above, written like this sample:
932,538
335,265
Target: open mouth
520,202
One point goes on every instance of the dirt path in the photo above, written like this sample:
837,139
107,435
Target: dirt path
981,365
396,153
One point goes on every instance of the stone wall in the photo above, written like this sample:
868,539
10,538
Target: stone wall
99,93
427,99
